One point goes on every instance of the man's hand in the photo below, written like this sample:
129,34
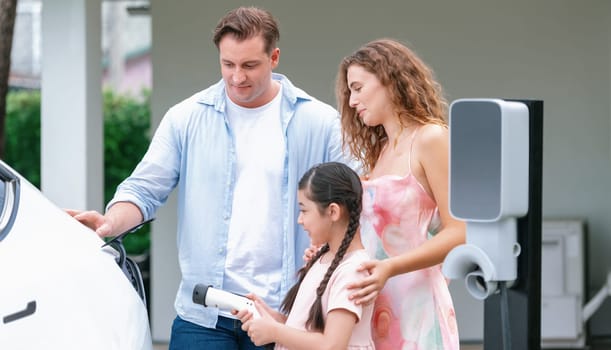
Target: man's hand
94,220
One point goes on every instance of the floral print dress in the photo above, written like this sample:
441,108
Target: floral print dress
414,310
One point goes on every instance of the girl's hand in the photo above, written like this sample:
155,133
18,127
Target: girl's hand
261,330
369,287
263,308
243,315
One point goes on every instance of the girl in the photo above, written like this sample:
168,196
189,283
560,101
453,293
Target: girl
393,120
316,313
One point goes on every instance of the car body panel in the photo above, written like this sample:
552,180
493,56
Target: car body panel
59,289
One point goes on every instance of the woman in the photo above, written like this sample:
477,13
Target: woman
393,120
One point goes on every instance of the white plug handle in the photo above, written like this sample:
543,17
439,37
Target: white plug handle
209,296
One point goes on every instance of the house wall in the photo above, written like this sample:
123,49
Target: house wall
554,50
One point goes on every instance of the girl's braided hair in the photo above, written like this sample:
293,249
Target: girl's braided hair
325,184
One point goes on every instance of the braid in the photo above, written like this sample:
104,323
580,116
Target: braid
316,320
289,299
326,184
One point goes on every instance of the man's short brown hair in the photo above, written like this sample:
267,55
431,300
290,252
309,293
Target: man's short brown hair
247,22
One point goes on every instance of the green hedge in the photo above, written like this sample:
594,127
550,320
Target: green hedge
126,138
22,130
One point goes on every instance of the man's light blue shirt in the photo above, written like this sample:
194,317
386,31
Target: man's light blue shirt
193,148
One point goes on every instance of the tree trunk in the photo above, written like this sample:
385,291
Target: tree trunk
8,11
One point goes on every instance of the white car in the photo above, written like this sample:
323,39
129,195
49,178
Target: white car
59,288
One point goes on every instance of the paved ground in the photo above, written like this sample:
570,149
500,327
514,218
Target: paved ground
159,346
600,346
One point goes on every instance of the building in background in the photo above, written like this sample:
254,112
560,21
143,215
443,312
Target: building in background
126,46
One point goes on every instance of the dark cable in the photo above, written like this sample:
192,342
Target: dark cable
506,329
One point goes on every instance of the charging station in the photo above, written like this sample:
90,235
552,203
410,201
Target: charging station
495,187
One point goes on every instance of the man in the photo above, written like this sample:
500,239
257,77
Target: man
235,151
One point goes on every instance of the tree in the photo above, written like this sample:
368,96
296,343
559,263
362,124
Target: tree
8,11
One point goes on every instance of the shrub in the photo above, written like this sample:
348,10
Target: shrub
22,130
126,138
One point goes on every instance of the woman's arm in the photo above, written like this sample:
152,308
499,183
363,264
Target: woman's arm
432,157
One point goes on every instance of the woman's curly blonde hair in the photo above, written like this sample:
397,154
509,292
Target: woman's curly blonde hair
415,94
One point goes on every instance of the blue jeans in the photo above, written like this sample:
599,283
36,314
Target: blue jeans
227,335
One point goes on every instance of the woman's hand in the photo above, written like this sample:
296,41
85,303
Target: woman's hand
310,252
369,287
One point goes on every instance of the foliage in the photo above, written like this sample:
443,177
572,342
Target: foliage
22,127
126,138
8,13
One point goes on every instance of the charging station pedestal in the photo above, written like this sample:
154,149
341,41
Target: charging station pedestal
525,295
495,187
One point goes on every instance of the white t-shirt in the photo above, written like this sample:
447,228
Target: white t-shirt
254,259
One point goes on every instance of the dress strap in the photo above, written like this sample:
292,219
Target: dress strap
411,147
